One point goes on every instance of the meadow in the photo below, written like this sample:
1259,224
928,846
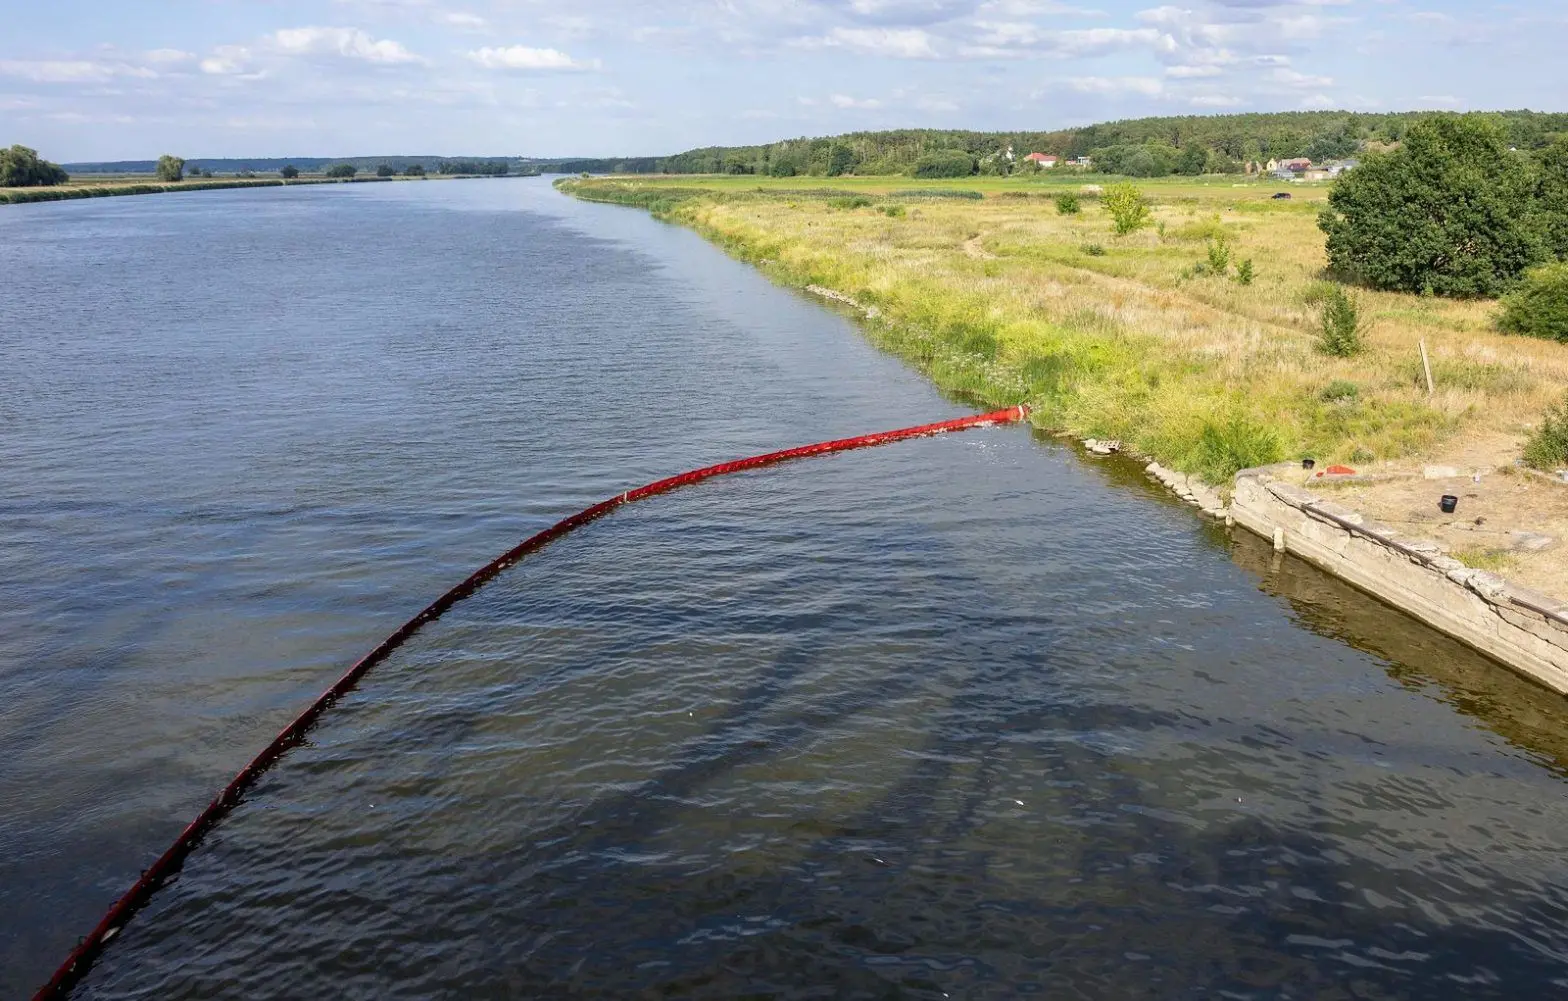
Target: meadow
1000,298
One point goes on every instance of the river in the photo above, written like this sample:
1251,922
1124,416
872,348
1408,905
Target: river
963,717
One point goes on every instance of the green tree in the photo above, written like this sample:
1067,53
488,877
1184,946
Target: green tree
344,170
948,163
1128,208
1067,203
20,167
385,170
414,170
170,168
841,159
1450,210
1551,197
289,172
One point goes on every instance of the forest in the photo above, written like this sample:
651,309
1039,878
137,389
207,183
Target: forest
1142,147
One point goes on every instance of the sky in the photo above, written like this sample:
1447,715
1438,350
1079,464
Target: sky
106,80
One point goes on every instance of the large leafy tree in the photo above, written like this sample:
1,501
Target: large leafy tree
1551,197
1449,211
170,168
21,167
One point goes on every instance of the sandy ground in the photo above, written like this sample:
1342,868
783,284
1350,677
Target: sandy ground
1508,520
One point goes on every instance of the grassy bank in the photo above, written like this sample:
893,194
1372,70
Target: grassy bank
1000,298
100,188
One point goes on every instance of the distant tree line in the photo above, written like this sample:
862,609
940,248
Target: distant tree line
1144,147
20,167
482,168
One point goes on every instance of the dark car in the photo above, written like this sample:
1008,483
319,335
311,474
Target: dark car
1281,194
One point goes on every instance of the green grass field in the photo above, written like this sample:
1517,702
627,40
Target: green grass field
1001,299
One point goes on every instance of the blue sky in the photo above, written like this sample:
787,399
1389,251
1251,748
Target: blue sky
106,79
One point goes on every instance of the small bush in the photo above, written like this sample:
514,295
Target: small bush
1093,249
1226,449
1067,204
385,170
1340,333
1547,447
1340,391
893,211
852,202
1539,306
1128,208
1219,257
1244,272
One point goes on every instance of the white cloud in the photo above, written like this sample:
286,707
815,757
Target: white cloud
1017,38
169,57
349,43
227,60
71,70
1192,72
522,57
896,43
1213,101
1293,78
863,104
1113,85
1318,102
462,20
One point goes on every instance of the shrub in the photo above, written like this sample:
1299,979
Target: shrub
851,202
385,170
1128,208
1093,249
1067,203
289,172
20,167
342,170
418,170
1245,272
1547,447
893,211
1340,391
1340,321
1219,257
1539,306
170,168
953,163
1450,209
1226,449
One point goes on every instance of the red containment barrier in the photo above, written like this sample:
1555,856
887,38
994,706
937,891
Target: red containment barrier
80,960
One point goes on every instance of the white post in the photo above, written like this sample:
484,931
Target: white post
1427,367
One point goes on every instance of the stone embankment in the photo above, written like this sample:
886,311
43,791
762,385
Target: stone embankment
1523,628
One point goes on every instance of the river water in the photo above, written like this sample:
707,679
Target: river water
962,717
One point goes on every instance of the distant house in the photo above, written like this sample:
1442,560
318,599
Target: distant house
1316,174
1045,160
1297,165
1081,161
1271,166
1340,166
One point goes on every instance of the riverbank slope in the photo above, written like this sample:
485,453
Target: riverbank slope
997,295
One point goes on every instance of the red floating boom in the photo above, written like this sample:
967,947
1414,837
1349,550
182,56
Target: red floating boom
80,960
